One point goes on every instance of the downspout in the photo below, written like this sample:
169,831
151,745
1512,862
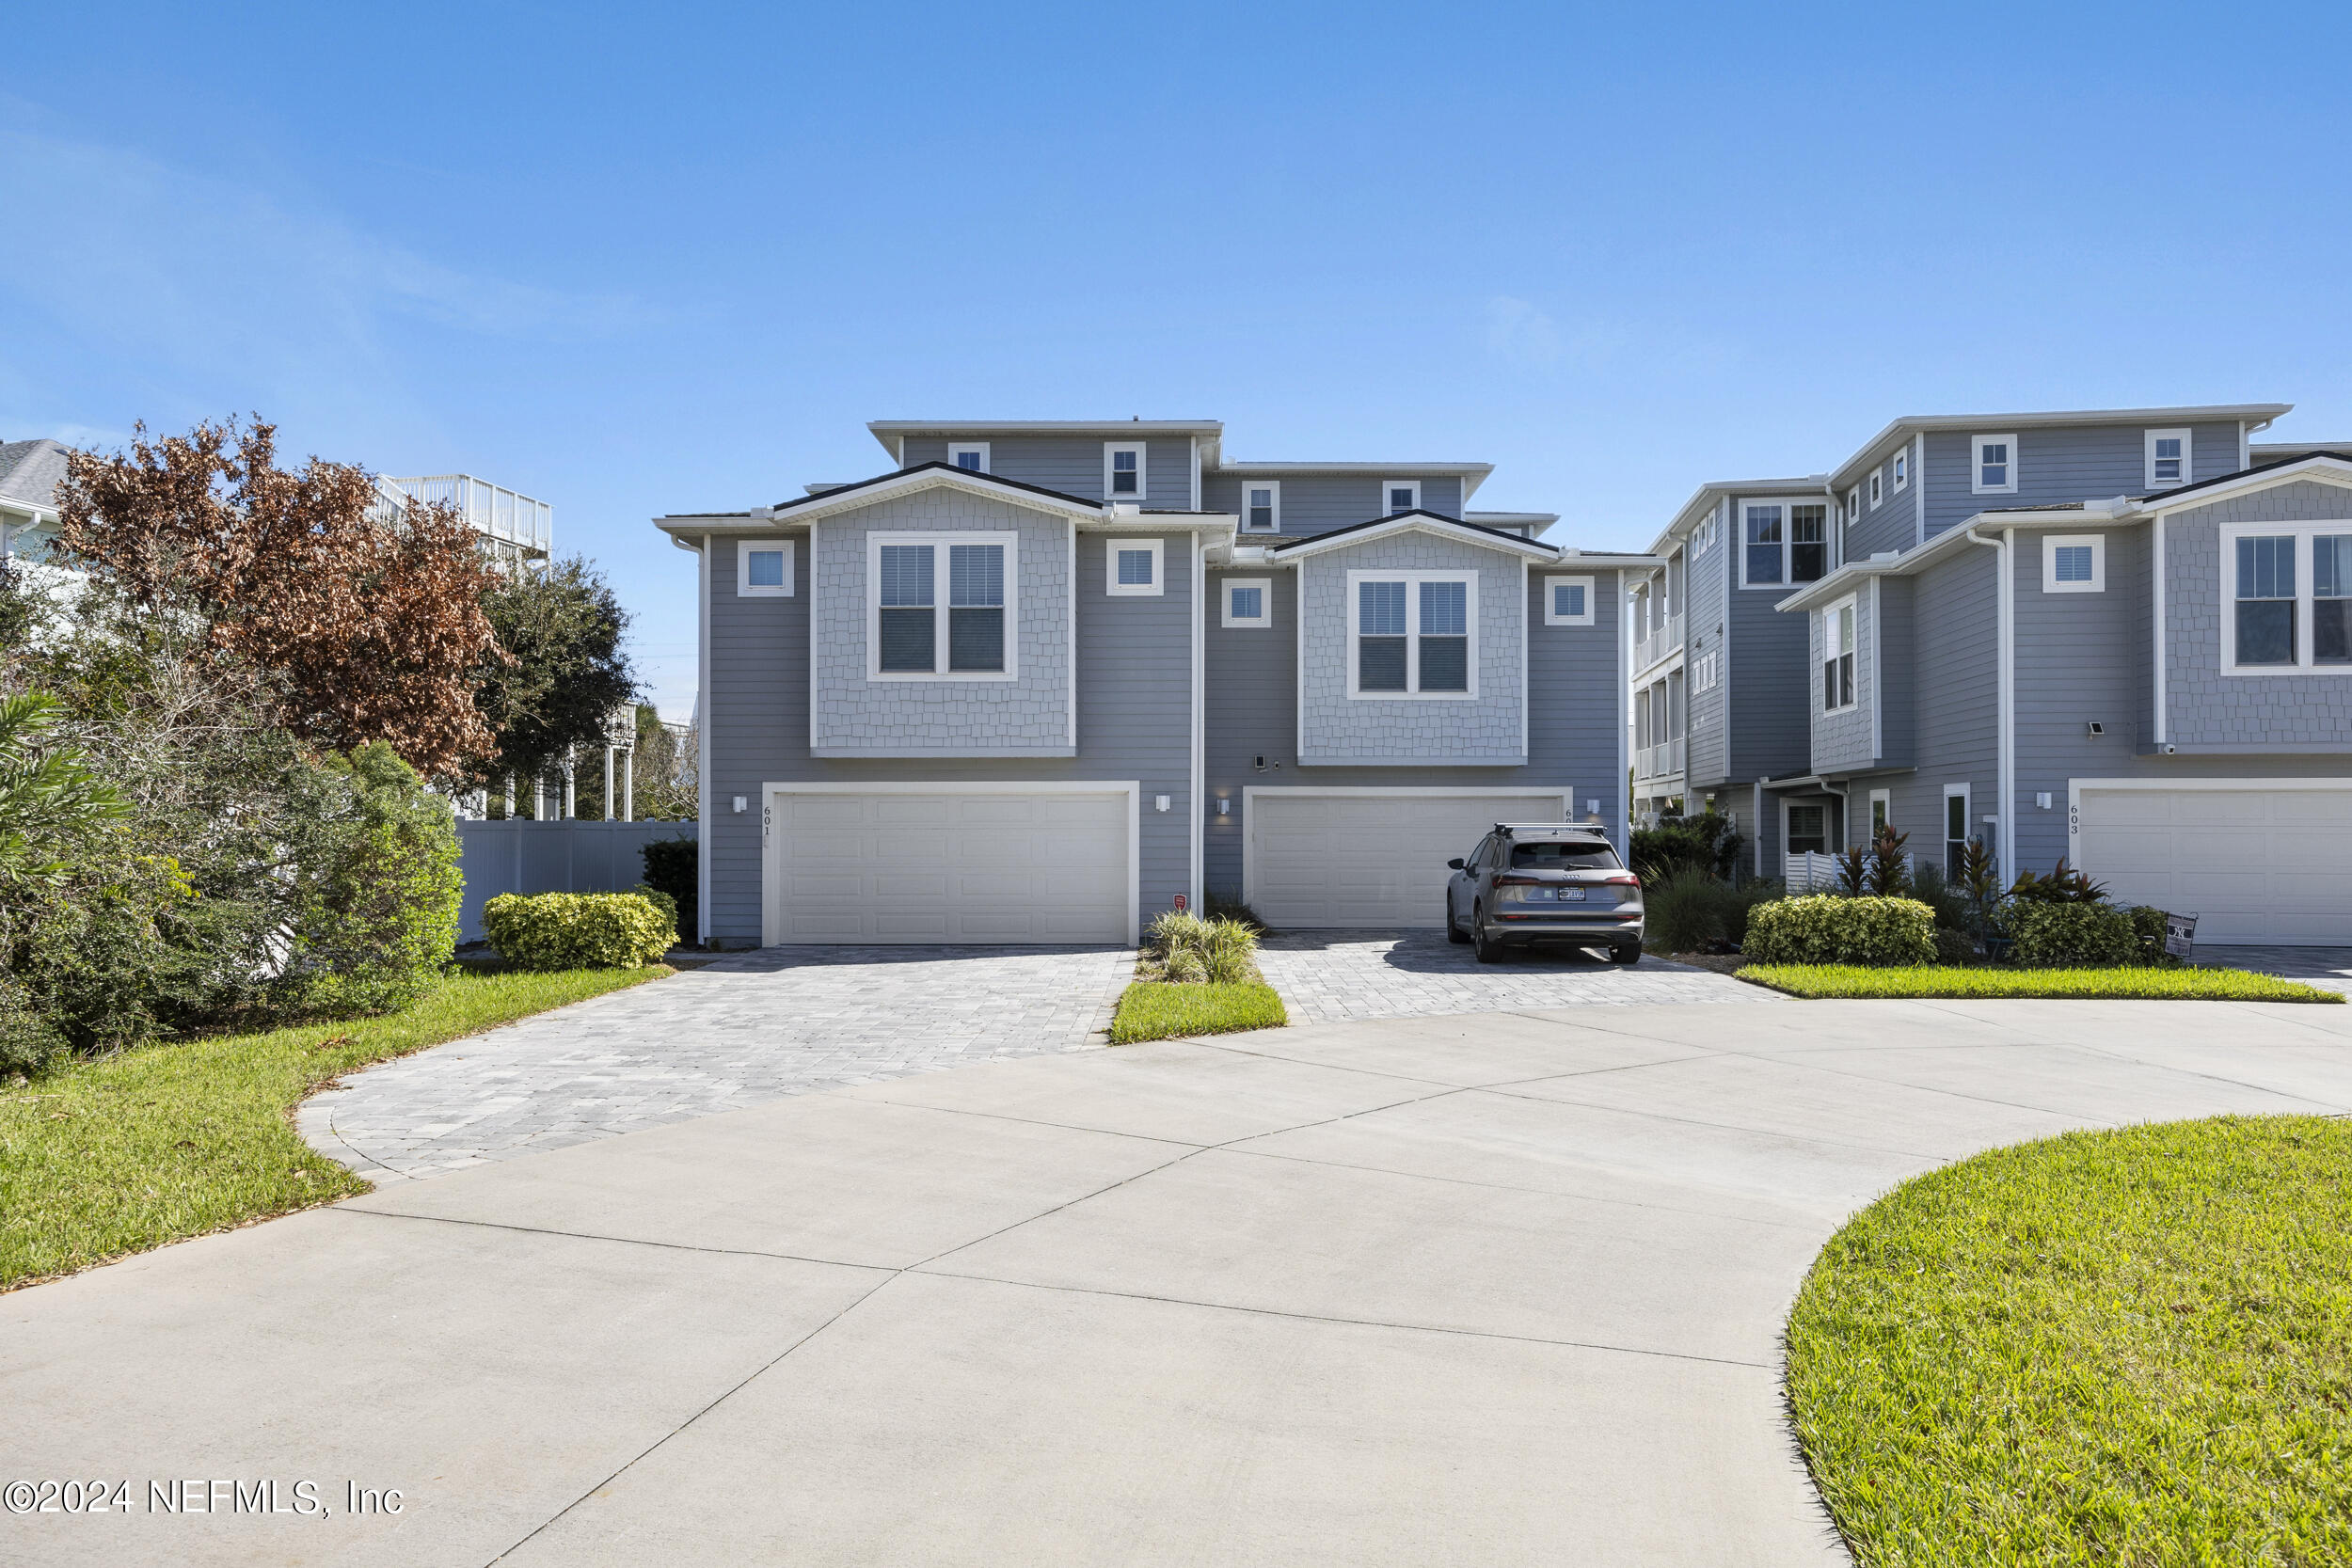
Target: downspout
2004,779
703,727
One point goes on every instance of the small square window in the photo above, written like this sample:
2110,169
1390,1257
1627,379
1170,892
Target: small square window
1567,601
2168,459
971,456
1399,494
763,569
1131,567
2074,563
1124,476
1262,506
1992,465
1248,602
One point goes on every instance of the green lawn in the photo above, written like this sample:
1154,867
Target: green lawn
1156,1010
2173,985
2121,1347
103,1158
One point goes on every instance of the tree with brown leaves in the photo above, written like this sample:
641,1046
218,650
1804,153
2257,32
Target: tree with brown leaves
367,619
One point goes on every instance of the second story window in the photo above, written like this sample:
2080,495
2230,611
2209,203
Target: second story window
922,626
2167,459
1567,601
1877,486
1134,567
1765,522
1246,602
2074,563
1837,641
1808,543
1785,542
1399,494
1853,505
1902,469
1123,475
1262,507
1413,634
2332,599
971,456
2265,600
763,569
1992,465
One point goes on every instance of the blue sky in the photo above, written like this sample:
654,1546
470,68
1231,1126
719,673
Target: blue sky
634,262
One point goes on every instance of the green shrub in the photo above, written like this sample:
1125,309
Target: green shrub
577,930
2072,935
661,901
1954,911
1678,846
672,864
2148,930
1954,947
1828,930
1223,951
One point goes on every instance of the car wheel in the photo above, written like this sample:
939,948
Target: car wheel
1453,933
1483,947
1627,955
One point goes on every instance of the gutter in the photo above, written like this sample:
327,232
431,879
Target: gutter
2005,613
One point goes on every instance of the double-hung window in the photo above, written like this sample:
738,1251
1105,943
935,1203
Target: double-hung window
1785,542
2167,459
1992,465
2265,600
2331,598
1955,828
1411,634
1123,473
1764,524
2278,615
939,606
1837,641
1808,542
1262,506
1808,828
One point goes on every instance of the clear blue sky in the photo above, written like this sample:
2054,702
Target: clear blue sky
654,262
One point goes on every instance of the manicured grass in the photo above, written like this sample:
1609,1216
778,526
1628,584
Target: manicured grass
2120,1347
2173,985
103,1158
1156,1010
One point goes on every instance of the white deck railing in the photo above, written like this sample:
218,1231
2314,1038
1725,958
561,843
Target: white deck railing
1659,643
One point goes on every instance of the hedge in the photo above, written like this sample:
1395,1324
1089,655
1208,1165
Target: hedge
2073,935
577,930
1827,929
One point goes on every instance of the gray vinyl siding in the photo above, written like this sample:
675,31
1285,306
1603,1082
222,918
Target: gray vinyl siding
1486,729
2080,658
2062,463
2247,714
1841,741
1135,722
1575,717
1317,503
1957,687
1894,523
1707,757
1895,655
1770,716
1073,464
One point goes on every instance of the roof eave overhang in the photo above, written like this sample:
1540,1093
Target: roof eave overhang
2253,413
2325,467
1715,490
1418,522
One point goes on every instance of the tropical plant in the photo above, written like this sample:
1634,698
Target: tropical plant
1977,877
1693,913
1188,948
2061,884
1890,875
49,798
1854,871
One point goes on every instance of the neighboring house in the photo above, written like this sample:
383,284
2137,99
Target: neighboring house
1732,689
30,472
1047,679
518,530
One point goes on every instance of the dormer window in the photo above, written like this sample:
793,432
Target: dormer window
1992,465
971,456
2167,459
1123,475
1262,506
1399,494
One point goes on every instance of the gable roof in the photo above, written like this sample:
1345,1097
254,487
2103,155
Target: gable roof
2330,463
927,476
1409,522
30,472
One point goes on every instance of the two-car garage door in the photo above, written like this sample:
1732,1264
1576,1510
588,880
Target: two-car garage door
2266,862
954,864
1341,858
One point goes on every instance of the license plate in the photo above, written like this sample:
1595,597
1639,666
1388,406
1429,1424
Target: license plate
1569,894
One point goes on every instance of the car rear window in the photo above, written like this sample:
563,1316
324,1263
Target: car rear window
1572,856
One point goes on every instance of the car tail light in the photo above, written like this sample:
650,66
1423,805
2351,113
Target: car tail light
1623,879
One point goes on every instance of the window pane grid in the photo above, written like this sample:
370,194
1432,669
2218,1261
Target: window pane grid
1380,608
975,575
906,576
1248,604
1135,568
2266,600
2072,563
2332,599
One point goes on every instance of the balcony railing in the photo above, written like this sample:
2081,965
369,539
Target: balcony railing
522,526
1659,644
1661,761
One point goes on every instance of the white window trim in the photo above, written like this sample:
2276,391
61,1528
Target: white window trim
1879,798
1703,535
1703,672
1265,602
744,550
1944,823
1846,608
2052,543
940,595
1785,806
1389,484
2306,579
1273,484
1975,465
1412,581
2188,475
1853,505
1899,466
1788,545
1878,488
980,447
1553,620
1143,465
1117,589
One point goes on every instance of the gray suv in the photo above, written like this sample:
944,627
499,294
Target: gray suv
1529,882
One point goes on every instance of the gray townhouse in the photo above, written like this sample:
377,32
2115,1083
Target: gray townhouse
30,472
1042,680
2120,637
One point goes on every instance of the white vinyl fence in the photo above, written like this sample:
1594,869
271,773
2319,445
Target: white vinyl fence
518,855
1806,871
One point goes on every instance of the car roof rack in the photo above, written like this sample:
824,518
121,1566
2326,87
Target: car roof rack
1595,829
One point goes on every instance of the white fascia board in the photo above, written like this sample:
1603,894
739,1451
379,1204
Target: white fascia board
1610,560
892,433
2323,470
1705,497
1420,523
2192,414
1402,470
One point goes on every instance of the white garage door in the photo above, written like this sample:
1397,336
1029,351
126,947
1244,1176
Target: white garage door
1319,859
2253,863
958,865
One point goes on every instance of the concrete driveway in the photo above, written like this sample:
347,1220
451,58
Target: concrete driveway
1461,1289
1329,976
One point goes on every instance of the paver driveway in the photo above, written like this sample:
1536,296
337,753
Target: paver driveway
1327,976
1497,1290
747,1029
